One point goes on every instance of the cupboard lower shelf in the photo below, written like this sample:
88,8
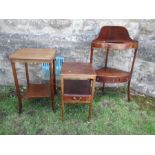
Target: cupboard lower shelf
37,91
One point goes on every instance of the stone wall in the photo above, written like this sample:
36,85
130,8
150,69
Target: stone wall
72,40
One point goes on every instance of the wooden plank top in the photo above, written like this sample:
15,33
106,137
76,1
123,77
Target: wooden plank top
77,70
33,55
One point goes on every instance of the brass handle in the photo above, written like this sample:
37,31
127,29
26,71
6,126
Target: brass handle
75,98
80,98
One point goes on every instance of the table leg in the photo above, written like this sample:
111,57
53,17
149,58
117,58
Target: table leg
129,91
103,86
62,94
27,74
52,86
93,87
17,87
91,101
90,110
54,76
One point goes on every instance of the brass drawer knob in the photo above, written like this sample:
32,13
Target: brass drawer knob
74,98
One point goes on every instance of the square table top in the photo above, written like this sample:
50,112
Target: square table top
77,70
33,55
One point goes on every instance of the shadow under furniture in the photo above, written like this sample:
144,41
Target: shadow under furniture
30,55
77,85
115,38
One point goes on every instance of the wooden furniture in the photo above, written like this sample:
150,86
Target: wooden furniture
30,55
77,84
114,37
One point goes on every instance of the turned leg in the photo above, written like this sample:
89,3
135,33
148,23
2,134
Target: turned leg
54,76
91,101
133,62
62,111
90,110
52,86
27,74
17,87
129,91
103,86
62,101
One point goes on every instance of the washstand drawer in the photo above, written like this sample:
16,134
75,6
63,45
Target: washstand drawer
73,98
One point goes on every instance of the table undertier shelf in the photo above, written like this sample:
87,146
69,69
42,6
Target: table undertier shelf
37,91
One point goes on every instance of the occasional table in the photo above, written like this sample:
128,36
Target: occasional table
77,84
30,55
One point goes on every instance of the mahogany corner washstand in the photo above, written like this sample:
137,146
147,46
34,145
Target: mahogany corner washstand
77,84
114,37
30,55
